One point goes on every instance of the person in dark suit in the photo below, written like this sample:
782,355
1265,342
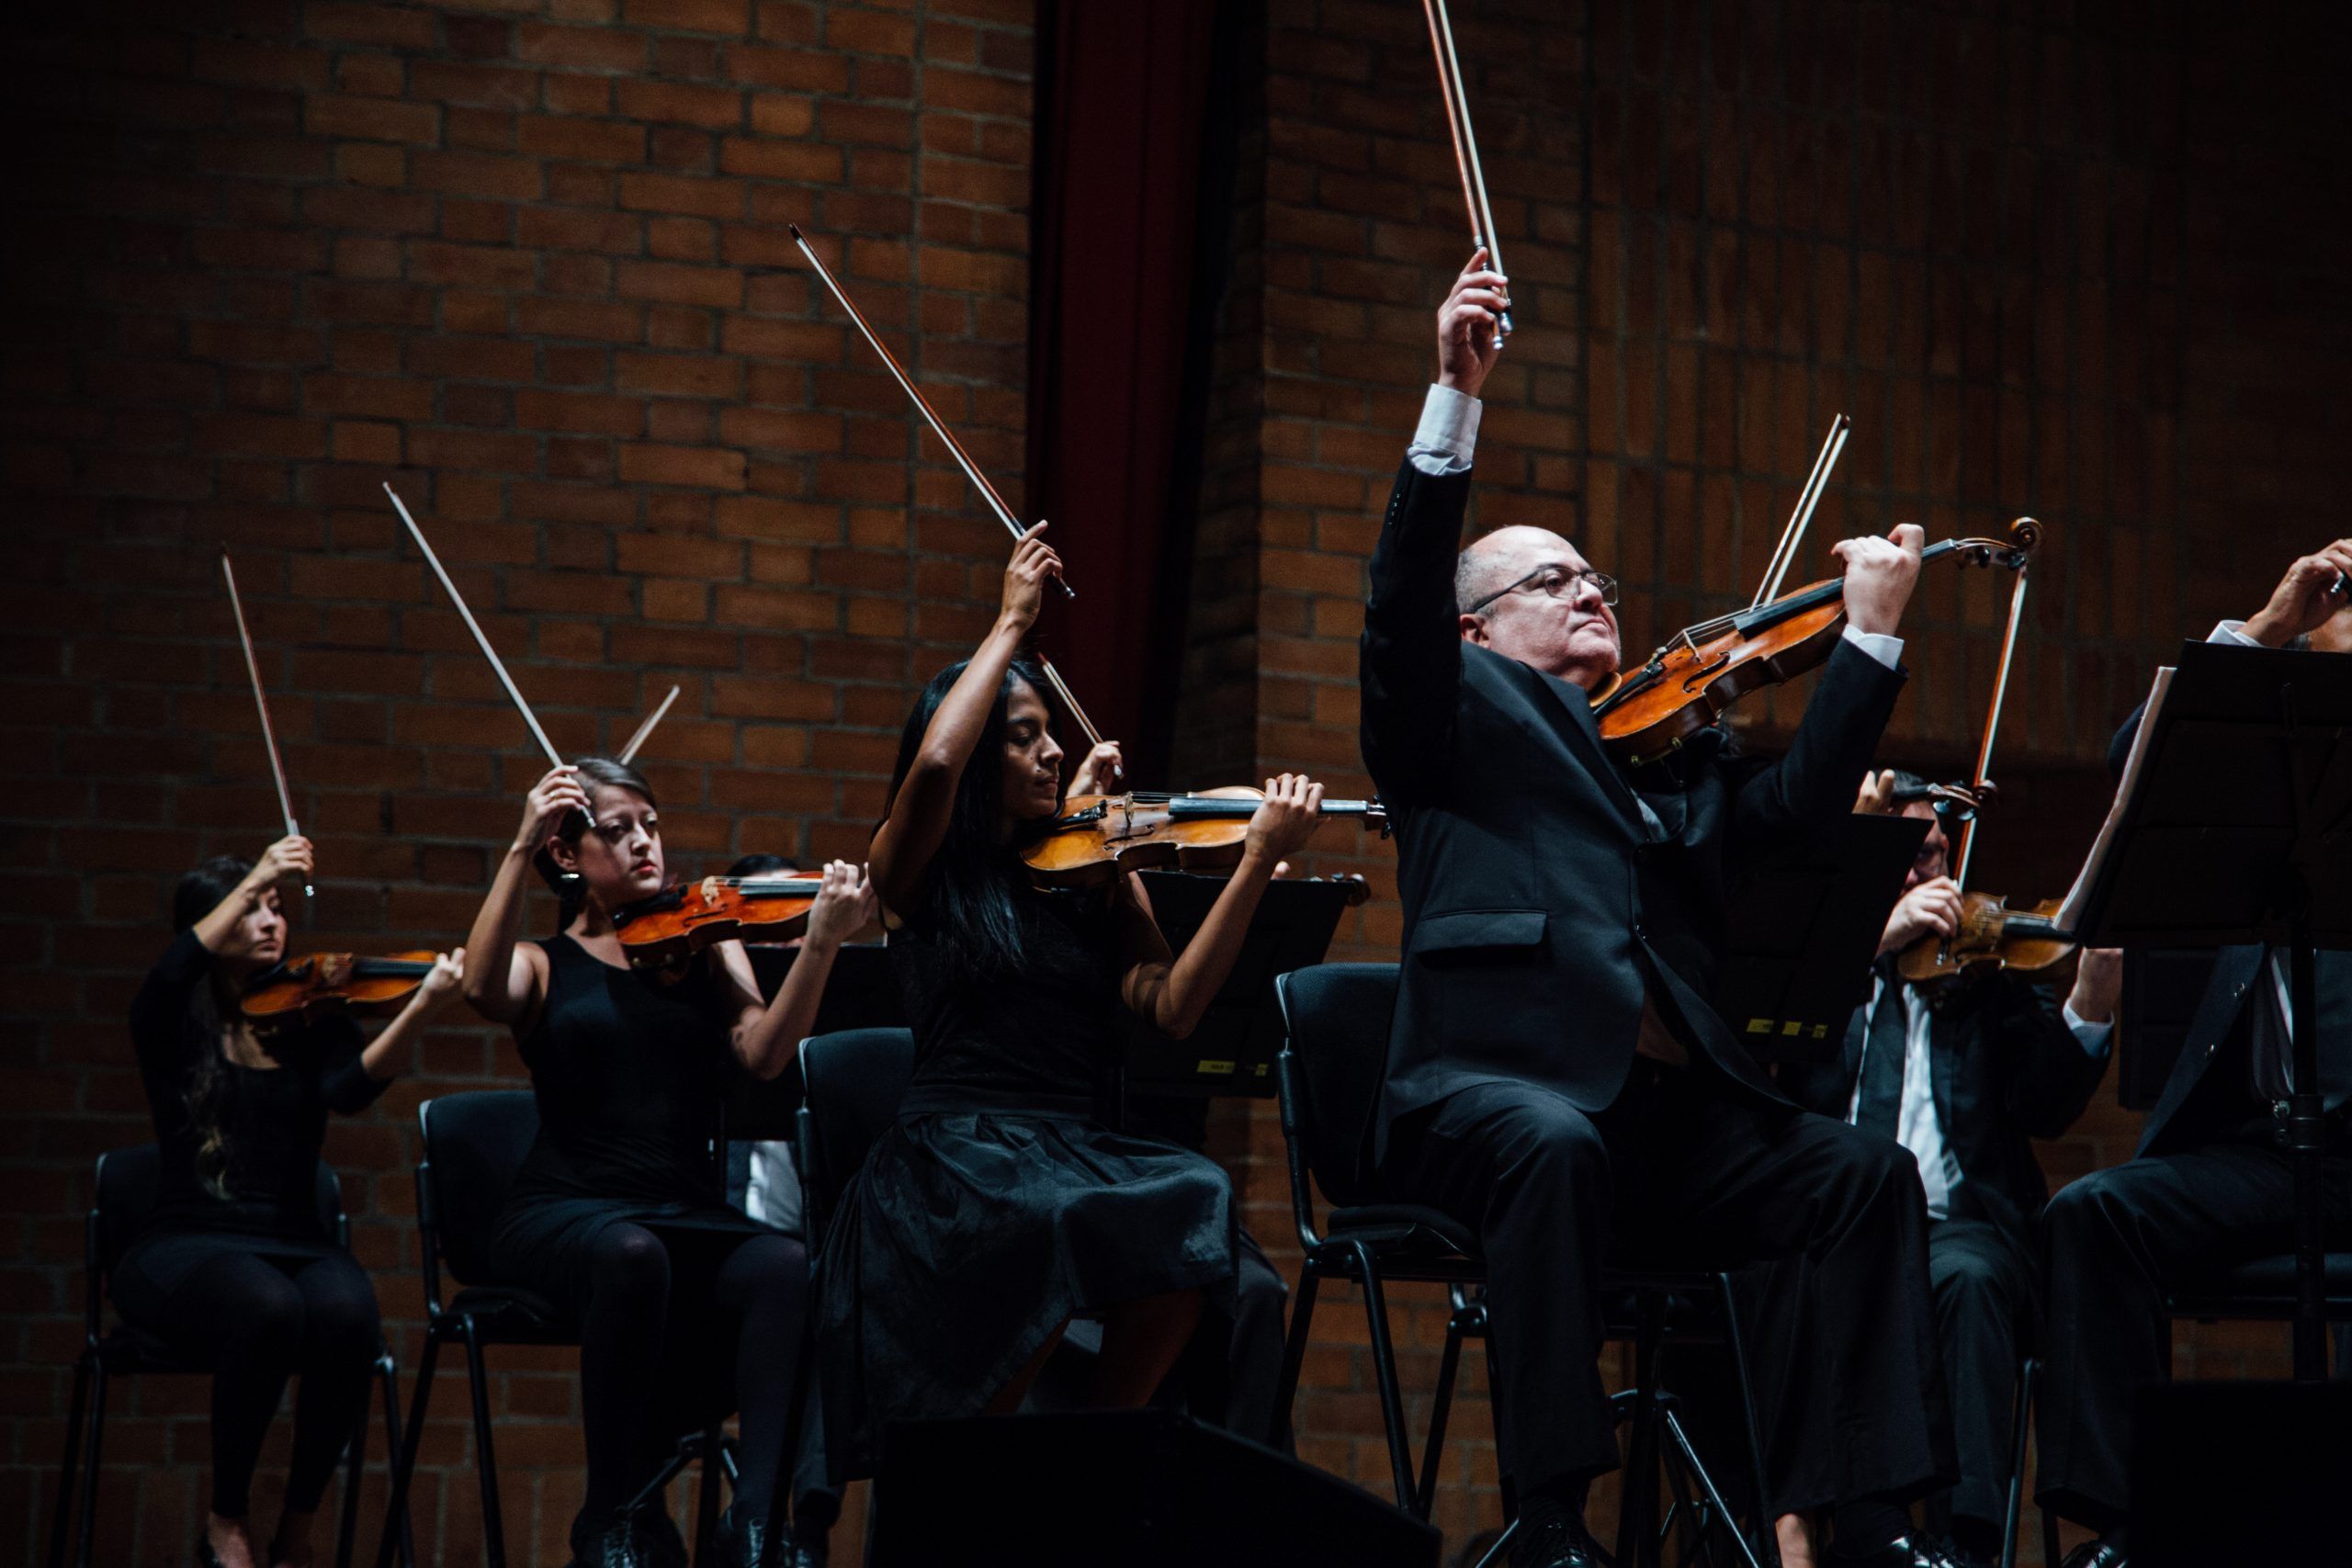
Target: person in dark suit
2211,1183
1555,1074
1965,1075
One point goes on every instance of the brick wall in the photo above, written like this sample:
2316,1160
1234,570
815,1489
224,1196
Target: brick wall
512,256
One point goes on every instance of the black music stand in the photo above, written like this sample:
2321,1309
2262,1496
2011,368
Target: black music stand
2234,826
1804,932
1233,1050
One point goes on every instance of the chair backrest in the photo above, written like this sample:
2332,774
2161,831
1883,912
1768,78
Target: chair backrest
1338,1017
854,1081
130,1179
473,1146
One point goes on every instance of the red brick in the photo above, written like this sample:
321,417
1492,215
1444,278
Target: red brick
715,109
730,17
714,467
592,49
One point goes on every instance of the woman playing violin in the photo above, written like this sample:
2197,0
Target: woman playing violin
236,1269
618,1215
999,1207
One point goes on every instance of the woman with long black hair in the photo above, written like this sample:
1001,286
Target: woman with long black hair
998,1205
234,1268
618,1215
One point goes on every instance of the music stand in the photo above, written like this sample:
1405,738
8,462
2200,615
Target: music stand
2234,826
1804,931
1233,1049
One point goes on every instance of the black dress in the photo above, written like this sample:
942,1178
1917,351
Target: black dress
998,1206
273,1120
630,1072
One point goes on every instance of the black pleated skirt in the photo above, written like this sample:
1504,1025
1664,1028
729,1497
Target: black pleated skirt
967,1237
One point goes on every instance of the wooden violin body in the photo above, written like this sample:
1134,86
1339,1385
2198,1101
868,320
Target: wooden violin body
1647,714
303,990
1991,936
1099,838
678,922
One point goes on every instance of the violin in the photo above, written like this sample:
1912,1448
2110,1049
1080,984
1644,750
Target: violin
303,990
1686,685
678,922
1991,936
1097,838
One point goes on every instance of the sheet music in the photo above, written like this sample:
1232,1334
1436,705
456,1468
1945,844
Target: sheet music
2071,911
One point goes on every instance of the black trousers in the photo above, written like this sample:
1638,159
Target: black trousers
1690,1171
1982,1280
1233,1369
2113,1244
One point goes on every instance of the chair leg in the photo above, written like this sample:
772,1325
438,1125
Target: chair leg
1637,1544
90,1458
1384,1369
1698,1473
493,1534
396,1506
1763,1531
389,1370
1424,1496
65,1467
714,1442
2027,1370
347,1533
1302,1314
781,1498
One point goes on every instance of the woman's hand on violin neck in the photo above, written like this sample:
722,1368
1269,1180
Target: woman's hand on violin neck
1285,820
1879,577
845,905
1102,771
2305,598
1930,910
557,793
1033,562
445,985
2098,984
1468,326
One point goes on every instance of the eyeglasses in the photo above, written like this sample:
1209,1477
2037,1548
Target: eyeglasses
1555,583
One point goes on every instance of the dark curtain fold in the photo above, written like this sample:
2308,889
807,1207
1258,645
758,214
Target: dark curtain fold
1125,153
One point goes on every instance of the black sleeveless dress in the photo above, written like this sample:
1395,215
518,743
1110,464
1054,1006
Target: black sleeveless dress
629,1073
999,1207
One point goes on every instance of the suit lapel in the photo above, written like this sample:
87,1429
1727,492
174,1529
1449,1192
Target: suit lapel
1572,715
2235,974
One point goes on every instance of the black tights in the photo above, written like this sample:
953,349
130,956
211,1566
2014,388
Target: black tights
259,1322
638,1283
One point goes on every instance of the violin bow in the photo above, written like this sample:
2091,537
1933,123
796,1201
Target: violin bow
1465,144
955,450
1785,552
261,706
645,729
1982,780
497,668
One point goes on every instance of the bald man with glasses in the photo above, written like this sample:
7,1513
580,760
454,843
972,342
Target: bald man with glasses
1557,1079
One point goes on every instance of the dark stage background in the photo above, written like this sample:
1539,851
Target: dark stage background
2083,261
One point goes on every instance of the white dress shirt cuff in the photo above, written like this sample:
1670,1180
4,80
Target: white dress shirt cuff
1886,650
1448,433
2232,631
2092,1037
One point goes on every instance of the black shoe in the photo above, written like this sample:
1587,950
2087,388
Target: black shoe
2095,1554
614,1540
741,1541
1563,1544
658,1538
1912,1551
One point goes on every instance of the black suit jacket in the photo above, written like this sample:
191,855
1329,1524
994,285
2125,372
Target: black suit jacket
2004,1069
1540,907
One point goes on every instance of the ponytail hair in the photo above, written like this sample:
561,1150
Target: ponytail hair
570,892
198,893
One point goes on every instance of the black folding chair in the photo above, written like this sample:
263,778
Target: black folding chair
474,1144
127,1184
1329,1080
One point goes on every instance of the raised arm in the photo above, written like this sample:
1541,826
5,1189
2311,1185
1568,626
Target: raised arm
766,1033
920,812
1171,992
505,978
1410,656
159,1009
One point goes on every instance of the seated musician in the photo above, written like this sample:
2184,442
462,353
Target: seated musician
998,1206
1965,1075
1555,1075
2212,1184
